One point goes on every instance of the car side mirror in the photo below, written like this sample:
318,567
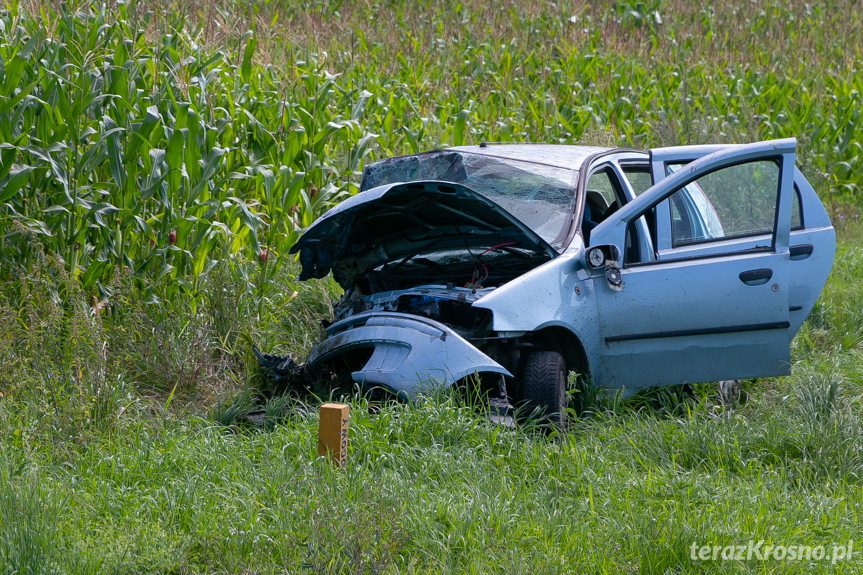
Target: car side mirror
606,256
598,257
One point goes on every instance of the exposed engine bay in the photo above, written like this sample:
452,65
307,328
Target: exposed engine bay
469,268
447,304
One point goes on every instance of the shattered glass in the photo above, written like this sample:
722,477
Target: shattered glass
539,195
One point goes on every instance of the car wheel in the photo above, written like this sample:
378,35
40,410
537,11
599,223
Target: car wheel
543,386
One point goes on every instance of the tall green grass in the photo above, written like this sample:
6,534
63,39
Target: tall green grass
434,487
28,518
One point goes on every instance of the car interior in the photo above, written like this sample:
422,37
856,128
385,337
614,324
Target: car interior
603,199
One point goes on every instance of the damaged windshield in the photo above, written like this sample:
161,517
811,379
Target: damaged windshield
540,196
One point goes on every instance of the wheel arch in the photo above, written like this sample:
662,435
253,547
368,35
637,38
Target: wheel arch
565,342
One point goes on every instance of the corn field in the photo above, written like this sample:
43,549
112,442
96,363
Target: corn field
157,157
133,142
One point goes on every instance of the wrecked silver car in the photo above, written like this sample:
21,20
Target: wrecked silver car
520,263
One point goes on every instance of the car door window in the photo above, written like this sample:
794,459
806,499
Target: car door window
603,197
603,194
735,201
796,211
639,177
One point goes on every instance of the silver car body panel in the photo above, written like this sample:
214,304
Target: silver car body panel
411,354
683,314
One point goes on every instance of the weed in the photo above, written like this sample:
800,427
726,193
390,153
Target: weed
27,522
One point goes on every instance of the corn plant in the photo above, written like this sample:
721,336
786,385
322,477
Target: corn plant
116,152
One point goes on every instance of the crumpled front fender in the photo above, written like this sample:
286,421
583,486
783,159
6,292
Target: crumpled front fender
411,354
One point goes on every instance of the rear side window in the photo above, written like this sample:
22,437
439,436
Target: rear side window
639,178
796,211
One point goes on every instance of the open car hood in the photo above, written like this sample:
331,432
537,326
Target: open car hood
397,221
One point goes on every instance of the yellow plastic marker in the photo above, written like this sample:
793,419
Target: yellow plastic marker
333,432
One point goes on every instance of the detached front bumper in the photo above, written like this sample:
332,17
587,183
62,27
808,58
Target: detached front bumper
411,354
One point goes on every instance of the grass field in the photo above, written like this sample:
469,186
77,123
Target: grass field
157,160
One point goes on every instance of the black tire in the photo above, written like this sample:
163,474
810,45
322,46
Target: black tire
543,386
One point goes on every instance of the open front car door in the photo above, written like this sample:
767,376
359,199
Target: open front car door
712,301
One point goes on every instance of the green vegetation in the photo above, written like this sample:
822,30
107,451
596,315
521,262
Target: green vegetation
157,161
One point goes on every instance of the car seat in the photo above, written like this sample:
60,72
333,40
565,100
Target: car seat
595,210
587,224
